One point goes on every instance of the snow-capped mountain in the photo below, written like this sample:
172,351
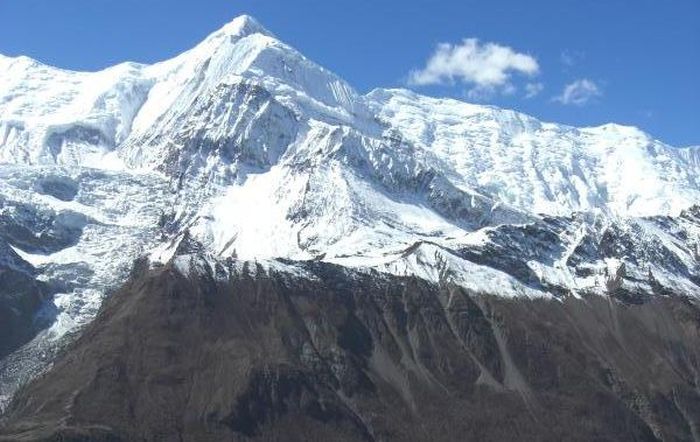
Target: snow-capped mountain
242,97
258,153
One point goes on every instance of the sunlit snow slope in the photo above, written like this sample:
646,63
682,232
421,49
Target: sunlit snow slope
241,85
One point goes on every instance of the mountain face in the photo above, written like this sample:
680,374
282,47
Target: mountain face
333,257
202,349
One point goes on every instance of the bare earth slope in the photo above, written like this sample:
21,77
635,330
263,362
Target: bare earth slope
206,350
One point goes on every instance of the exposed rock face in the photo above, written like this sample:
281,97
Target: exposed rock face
205,350
21,297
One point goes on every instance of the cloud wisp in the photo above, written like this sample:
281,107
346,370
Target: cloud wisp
533,89
579,93
487,68
571,58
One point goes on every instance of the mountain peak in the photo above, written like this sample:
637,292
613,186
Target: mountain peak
244,25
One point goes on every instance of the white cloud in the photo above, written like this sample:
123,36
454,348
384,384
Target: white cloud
487,67
579,92
533,89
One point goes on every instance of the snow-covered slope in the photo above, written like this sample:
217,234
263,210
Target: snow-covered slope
256,152
545,167
274,156
52,116
243,96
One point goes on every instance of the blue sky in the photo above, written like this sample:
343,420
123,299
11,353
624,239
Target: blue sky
580,62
